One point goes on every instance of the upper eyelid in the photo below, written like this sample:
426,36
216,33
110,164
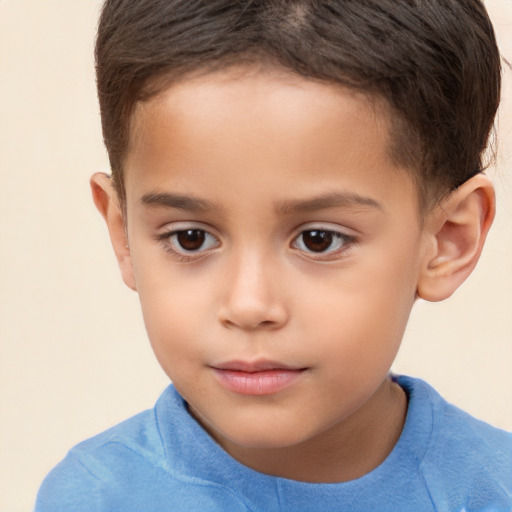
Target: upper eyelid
340,234
325,226
350,237
173,232
178,226
170,229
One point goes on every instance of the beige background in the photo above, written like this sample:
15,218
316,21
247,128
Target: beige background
74,358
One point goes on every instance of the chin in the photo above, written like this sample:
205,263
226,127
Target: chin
264,438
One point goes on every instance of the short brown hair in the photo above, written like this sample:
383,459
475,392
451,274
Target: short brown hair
435,63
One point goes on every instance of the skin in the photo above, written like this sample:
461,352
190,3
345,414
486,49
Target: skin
255,162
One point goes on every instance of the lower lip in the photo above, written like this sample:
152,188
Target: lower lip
261,383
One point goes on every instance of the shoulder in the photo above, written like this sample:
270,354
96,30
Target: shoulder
82,479
463,437
148,462
467,460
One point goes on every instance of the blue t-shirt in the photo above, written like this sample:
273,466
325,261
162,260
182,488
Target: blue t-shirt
163,460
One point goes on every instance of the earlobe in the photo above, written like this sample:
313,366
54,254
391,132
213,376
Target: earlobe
107,202
455,233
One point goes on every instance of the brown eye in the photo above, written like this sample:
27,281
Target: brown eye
188,244
317,240
325,242
191,239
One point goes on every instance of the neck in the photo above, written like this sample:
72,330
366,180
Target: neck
347,451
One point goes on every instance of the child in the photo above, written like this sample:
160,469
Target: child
288,177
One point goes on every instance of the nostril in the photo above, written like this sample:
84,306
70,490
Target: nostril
251,319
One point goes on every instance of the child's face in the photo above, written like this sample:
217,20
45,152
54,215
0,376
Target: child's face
275,248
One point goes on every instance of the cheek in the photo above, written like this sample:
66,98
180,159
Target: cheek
174,315
362,311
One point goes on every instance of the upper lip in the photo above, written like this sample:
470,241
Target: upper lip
255,366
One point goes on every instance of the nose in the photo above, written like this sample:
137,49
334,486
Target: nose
253,296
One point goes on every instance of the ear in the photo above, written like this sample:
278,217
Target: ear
455,234
106,200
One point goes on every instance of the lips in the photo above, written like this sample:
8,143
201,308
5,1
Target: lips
256,378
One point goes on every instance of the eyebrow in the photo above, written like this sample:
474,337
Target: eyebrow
325,201
179,202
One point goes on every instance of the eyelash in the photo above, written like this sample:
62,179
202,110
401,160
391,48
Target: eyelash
345,242
169,241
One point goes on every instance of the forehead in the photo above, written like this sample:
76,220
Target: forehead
250,94
273,124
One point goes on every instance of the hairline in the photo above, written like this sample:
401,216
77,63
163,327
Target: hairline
261,63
